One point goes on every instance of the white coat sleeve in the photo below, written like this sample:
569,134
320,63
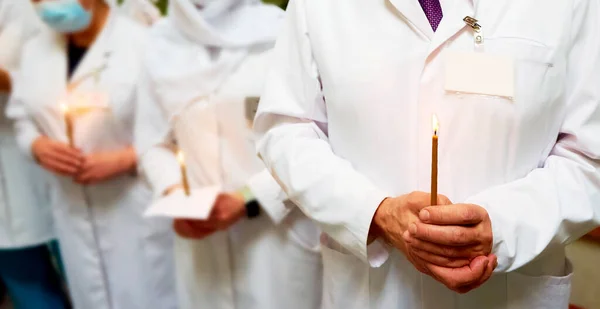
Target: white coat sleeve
26,130
157,162
270,196
292,126
560,201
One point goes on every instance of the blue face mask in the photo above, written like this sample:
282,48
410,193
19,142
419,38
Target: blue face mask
64,16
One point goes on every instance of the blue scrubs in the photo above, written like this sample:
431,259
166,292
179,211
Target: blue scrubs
31,280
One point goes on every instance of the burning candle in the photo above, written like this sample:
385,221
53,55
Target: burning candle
68,122
434,160
184,178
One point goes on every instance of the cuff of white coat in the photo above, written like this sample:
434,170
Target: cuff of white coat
26,138
355,235
378,253
161,170
170,179
499,248
270,196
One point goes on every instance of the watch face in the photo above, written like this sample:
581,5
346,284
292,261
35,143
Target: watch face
252,209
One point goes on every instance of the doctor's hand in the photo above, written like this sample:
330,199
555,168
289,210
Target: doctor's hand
56,156
228,209
443,235
392,222
102,166
192,229
394,216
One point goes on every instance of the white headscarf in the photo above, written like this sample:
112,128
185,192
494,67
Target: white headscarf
142,11
201,43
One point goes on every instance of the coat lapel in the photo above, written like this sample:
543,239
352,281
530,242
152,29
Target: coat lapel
93,64
452,23
414,15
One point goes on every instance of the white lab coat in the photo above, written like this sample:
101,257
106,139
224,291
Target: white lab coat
270,262
341,146
25,217
113,257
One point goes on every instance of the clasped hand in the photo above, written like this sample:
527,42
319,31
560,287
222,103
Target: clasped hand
65,160
228,209
450,242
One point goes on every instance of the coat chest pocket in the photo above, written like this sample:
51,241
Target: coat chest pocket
536,70
543,292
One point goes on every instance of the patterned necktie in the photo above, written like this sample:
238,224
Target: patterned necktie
433,11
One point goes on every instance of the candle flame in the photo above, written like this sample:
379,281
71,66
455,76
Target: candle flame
181,157
64,108
435,124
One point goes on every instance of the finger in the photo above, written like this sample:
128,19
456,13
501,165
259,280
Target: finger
489,271
191,229
458,214
465,252
60,167
182,228
84,176
66,159
440,260
418,263
417,200
443,200
66,150
457,278
448,235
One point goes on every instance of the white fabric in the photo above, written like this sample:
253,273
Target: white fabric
114,258
256,264
25,218
220,44
226,23
345,121
196,101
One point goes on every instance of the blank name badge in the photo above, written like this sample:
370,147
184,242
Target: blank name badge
480,73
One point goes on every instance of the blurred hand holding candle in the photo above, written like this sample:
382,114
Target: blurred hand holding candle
184,203
434,160
177,205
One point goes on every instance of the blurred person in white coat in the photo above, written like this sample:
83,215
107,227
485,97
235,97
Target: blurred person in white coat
25,216
346,127
142,11
73,108
256,250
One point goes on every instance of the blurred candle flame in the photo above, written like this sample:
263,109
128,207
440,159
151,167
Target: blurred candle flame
181,157
64,108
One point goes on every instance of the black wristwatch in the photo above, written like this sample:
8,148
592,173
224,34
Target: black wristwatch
252,205
252,209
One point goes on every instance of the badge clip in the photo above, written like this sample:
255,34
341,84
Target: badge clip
474,24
